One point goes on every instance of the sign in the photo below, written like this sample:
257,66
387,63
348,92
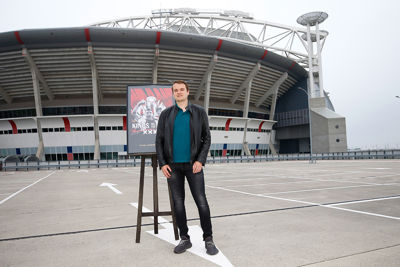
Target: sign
145,104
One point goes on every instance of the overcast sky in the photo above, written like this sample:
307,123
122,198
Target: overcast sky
360,58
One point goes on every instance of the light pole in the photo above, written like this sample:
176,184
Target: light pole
312,160
308,20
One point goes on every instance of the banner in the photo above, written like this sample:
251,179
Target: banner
145,104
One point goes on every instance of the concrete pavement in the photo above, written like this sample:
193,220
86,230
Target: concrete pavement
291,213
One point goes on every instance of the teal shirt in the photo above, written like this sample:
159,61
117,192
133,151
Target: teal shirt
181,139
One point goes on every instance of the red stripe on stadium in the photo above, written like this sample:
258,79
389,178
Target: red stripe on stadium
14,126
87,35
293,63
18,38
227,124
67,125
259,127
158,39
219,45
124,122
265,53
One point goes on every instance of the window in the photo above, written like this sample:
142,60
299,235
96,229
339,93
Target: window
102,128
45,130
114,128
90,128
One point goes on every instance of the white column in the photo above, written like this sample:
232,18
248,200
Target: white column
155,64
310,62
39,113
96,155
207,92
245,115
321,87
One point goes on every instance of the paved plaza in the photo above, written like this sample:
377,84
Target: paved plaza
287,213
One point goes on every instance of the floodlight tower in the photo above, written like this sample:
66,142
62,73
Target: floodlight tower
314,19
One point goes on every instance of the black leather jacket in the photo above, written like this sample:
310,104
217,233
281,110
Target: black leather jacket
200,137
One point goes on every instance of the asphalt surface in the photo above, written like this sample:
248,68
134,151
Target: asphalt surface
292,213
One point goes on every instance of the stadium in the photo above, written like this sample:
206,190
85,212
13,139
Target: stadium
63,91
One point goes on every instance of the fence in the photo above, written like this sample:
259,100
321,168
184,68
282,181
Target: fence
77,164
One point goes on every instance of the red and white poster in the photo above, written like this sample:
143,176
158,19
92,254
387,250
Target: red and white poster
145,104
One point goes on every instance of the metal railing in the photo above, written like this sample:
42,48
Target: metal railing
78,164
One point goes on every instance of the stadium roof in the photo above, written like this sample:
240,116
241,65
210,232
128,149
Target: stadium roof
62,60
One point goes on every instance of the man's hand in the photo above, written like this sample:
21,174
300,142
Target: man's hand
166,170
197,167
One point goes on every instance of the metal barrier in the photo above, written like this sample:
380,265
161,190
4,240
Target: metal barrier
77,164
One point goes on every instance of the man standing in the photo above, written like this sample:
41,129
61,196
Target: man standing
182,143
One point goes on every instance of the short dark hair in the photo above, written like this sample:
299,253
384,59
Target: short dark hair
181,82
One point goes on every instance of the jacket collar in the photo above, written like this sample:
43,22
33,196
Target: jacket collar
188,107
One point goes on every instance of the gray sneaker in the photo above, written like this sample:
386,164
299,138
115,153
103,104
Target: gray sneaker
210,246
183,245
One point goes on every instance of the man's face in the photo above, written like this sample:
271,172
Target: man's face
180,92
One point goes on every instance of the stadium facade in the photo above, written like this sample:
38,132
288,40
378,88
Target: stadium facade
63,91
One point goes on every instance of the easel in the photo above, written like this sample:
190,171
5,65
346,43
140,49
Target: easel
155,212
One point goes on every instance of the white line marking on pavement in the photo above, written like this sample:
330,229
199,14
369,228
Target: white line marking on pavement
111,186
363,212
251,179
363,201
245,185
337,173
321,189
291,177
16,193
383,176
306,202
379,168
196,235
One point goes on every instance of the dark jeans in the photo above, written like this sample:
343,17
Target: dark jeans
196,184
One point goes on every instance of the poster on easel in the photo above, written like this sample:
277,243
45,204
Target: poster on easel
145,104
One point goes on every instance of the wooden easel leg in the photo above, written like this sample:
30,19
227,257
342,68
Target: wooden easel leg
173,213
155,193
140,204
